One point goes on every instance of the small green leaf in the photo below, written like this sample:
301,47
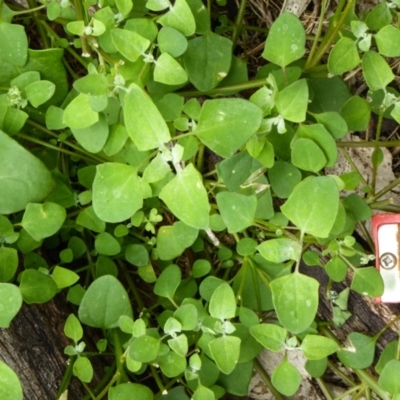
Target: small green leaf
186,196
36,287
116,192
358,207
316,368
8,263
187,315
388,41
336,269
14,44
203,393
237,210
179,345
379,16
316,347
285,41
376,71
23,177
129,391
272,337
39,92
168,281
83,369
313,205
343,57
359,351
168,246
307,155
169,71
226,124
137,255
10,386
79,113
104,302
225,352
295,297
292,101
389,353
130,44
172,364
280,250
143,121
286,378
223,303
88,219
64,277
107,244
334,123
171,41
92,85
368,281
43,220
207,60
73,328
179,17
322,138
389,377
144,349
283,177
10,304
357,113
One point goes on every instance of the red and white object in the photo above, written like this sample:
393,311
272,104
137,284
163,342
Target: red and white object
386,234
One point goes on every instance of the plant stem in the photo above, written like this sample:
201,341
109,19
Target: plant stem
119,357
56,148
375,154
265,378
237,87
317,36
336,24
132,285
371,382
40,27
66,378
239,22
324,389
364,143
385,190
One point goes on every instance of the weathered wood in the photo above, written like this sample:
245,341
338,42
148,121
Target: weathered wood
33,346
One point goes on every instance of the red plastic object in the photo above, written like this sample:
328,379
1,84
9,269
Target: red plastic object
386,234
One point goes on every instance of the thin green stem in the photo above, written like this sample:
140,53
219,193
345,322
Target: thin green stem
318,35
349,391
132,285
87,388
239,22
38,22
266,379
386,327
238,87
340,374
256,286
375,154
366,236
119,357
106,389
364,143
104,381
336,24
385,189
160,384
377,205
56,148
66,378
371,382
324,389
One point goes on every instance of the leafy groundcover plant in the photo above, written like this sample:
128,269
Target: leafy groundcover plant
108,125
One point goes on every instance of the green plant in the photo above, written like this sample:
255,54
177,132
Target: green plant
190,272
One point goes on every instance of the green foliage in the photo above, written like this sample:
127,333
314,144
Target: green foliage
134,151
